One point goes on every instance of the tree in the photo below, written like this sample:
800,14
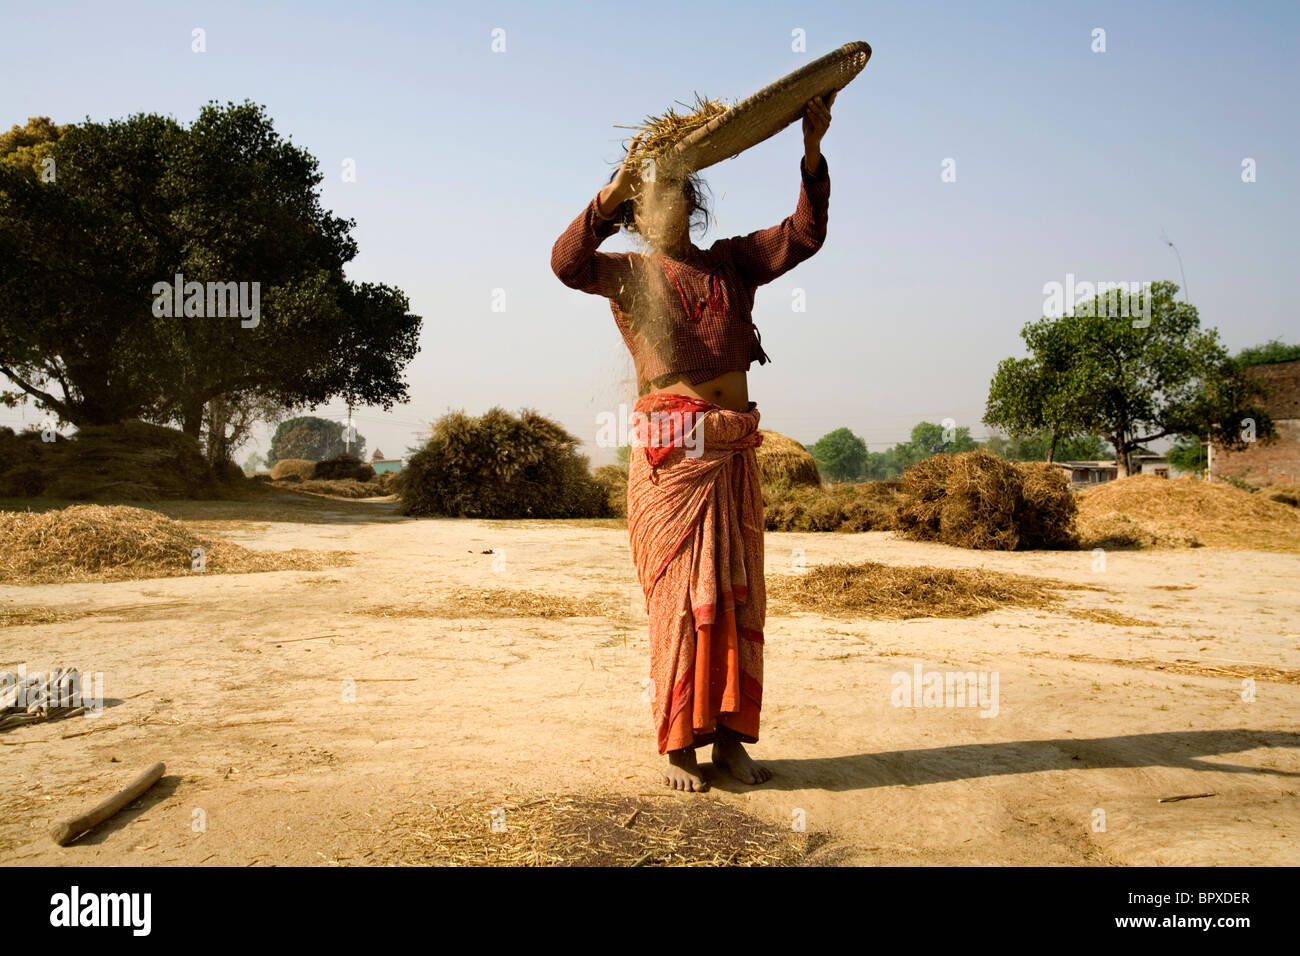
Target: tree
232,208
315,439
840,455
1031,395
228,421
1130,380
1036,446
1274,350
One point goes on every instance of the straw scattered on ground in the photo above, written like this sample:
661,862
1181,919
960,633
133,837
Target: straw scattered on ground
116,543
1146,511
1234,670
576,830
894,592
496,602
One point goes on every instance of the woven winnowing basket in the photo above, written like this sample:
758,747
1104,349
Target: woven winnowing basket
767,112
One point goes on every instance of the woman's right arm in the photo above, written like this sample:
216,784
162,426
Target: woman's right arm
574,258
577,264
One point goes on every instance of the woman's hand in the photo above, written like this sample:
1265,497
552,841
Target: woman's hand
624,185
816,120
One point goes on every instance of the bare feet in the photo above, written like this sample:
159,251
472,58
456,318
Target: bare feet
729,754
683,771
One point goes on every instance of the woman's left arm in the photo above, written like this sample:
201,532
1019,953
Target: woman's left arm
767,254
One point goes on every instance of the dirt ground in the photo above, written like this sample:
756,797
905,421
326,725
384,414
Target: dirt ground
239,683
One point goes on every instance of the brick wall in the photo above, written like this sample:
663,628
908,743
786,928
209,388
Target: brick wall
1279,461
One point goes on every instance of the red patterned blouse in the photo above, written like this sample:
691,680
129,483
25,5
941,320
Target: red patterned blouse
691,317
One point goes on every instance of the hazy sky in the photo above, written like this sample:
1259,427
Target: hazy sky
470,163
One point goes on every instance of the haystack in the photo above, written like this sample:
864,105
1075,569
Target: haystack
866,506
1185,511
113,543
132,461
660,133
344,467
784,460
501,466
977,500
613,478
293,469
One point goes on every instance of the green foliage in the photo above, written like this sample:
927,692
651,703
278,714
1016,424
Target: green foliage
344,468
1187,454
840,455
1092,372
501,466
1035,446
1274,350
26,147
139,200
312,438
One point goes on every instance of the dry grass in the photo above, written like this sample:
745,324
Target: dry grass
116,543
1100,615
496,602
17,615
1235,670
341,488
294,469
1146,511
663,131
589,831
1287,493
892,592
782,459
866,506
977,500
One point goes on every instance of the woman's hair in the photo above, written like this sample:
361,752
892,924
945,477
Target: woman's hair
693,190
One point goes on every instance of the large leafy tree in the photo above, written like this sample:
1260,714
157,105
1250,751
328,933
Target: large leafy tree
1128,380
313,438
226,200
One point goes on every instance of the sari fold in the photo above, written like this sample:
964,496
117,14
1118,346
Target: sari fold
695,523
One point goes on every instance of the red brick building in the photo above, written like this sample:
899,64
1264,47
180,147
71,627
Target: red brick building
1279,461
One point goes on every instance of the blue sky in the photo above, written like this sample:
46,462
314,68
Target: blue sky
470,163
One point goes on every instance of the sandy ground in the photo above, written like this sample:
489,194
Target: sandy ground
238,683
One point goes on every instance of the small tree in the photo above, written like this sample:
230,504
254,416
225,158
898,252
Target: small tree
840,455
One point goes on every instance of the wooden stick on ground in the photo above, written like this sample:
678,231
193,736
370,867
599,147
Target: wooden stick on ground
67,831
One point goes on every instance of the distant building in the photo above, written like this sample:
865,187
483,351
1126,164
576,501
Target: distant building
382,464
1081,474
1279,461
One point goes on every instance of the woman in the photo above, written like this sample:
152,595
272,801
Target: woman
695,510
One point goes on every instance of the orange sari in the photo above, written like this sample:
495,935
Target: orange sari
695,522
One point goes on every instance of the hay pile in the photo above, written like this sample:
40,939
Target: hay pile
583,830
343,468
613,478
501,466
293,469
115,543
1146,511
129,461
866,506
660,133
977,500
890,592
1287,494
783,460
